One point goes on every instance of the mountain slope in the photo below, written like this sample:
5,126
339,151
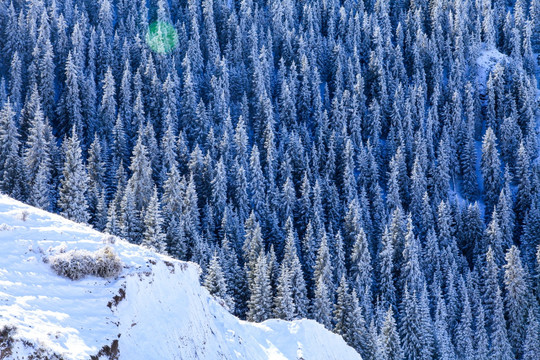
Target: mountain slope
155,309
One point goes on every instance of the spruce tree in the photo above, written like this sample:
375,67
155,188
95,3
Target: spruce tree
153,236
11,171
516,298
491,169
260,301
140,183
38,162
73,185
389,338
342,307
361,270
531,343
215,282
292,267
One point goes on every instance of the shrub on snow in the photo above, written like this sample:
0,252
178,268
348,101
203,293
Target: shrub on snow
76,264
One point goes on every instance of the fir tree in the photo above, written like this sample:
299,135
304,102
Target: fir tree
531,346
292,268
516,298
389,338
73,185
260,301
11,171
215,282
153,236
140,183
361,270
491,169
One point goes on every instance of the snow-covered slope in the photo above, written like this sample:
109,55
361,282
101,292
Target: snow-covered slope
155,309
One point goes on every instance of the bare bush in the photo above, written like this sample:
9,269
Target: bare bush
6,227
108,264
6,340
24,215
76,264
108,239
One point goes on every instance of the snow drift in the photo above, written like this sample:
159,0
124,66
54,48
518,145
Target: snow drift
155,308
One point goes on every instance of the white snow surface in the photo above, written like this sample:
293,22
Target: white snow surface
487,59
165,314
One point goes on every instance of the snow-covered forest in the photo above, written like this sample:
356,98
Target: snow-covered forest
370,164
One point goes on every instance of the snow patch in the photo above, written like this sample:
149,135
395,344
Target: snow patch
486,61
155,309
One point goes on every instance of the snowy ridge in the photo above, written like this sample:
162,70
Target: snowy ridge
156,309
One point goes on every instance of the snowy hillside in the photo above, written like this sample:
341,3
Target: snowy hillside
155,309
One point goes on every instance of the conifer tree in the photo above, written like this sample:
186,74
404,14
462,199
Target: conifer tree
107,108
464,330
322,305
389,338
411,275
71,107
491,169
323,266
342,307
516,298
531,345
284,307
361,270
292,268
260,301
73,185
215,282
96,178
153,236
140,183
11,171
387,288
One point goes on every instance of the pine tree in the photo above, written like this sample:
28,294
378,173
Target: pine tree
411,275
16,81
491,169
389,338
387,288
445,348
173,192
531,228
361,270
358,335
292,268
322,305
73,185
153,236
215,282
37,160
71,107
257,185
284,307
96,178
323,266
524,192
500,347
342,307
11,171
516,298
260,301
410,326
464,330
140,183
338,258
531,345
107,108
